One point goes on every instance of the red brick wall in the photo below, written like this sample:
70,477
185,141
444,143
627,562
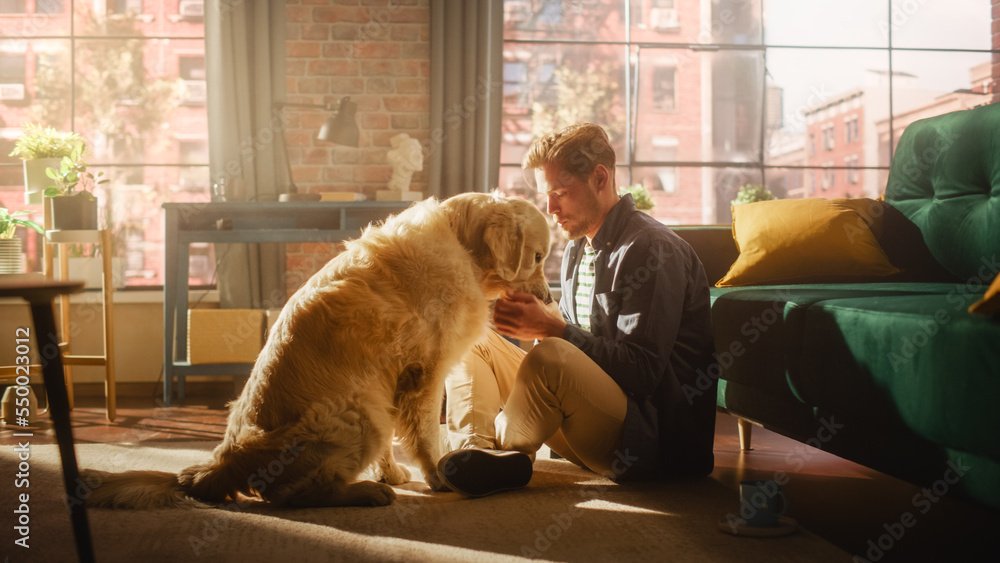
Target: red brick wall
378,53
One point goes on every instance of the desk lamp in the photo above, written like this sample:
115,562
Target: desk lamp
341,128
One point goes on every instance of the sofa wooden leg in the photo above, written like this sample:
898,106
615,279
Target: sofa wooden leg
746,431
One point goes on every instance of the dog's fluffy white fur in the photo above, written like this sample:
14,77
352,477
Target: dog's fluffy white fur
358,354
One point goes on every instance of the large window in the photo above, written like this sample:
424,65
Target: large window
129,77
703,96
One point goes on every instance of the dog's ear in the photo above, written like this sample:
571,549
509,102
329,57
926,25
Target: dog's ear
505,240
490,228
464,217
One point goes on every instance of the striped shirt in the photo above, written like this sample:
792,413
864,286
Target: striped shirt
585,286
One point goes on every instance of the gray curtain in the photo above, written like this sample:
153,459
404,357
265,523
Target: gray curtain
245,64
466,94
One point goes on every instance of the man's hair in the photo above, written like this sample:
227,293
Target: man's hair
577,149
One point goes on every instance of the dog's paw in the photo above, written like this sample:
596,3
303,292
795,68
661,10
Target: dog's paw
370,493
396,475
191,477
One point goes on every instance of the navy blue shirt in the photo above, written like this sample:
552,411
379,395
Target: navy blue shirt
651,331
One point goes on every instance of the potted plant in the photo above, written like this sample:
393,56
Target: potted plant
71,206
10,245
40,148
643,202
86,260
750,193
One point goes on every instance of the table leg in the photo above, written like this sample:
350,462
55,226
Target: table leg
55,389
107,290
64,324
169,302
181,298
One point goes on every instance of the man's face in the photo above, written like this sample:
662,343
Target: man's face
571,201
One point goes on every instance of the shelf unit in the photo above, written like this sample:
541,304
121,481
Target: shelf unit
58,240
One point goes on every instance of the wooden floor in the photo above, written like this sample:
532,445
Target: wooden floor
860,510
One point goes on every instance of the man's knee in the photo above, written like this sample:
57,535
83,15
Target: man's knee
551,351
548,357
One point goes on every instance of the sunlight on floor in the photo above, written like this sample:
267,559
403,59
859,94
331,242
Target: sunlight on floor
608,506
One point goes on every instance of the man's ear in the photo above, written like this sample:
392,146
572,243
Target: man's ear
505,239
602,177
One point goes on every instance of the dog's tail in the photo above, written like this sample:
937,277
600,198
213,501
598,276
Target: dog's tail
135,489
200,486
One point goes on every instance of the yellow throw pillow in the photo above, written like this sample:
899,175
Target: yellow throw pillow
990,303
807,240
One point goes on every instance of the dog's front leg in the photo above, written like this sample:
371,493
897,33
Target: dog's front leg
422,435
427,451
427,447
389,471
418,405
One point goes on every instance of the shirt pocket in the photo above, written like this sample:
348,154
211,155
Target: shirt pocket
606,308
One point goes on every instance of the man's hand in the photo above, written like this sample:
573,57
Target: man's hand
525,317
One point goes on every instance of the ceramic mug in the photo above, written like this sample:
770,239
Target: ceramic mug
761,503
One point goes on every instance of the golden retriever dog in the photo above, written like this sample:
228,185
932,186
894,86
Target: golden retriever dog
358,355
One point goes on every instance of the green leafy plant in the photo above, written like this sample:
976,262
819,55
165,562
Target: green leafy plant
587,95
45,142
10,221
72,173
640,195
750,193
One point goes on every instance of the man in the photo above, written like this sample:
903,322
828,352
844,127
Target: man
603,386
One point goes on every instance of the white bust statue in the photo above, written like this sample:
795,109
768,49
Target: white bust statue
406,157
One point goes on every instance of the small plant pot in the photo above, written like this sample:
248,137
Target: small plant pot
35,180
73,212
11,257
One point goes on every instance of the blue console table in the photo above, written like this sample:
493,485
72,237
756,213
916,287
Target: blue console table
242,222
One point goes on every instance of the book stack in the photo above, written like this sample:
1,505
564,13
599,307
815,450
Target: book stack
398,195
341,196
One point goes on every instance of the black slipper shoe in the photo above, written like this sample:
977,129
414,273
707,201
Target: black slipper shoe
478,472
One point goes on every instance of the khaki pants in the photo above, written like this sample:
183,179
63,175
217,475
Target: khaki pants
553,394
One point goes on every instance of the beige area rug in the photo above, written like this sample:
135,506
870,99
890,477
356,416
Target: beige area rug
565,514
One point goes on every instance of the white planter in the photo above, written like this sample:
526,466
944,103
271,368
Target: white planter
11,256
91,270
35,180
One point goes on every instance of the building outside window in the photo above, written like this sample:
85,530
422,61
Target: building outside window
730,60
135,93
700,72
191,69
125,6
853,173
49,6
12,6
515,75
12,78
851,129
664,90
829,138
829,177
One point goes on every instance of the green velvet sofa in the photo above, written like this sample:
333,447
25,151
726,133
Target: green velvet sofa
893,373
